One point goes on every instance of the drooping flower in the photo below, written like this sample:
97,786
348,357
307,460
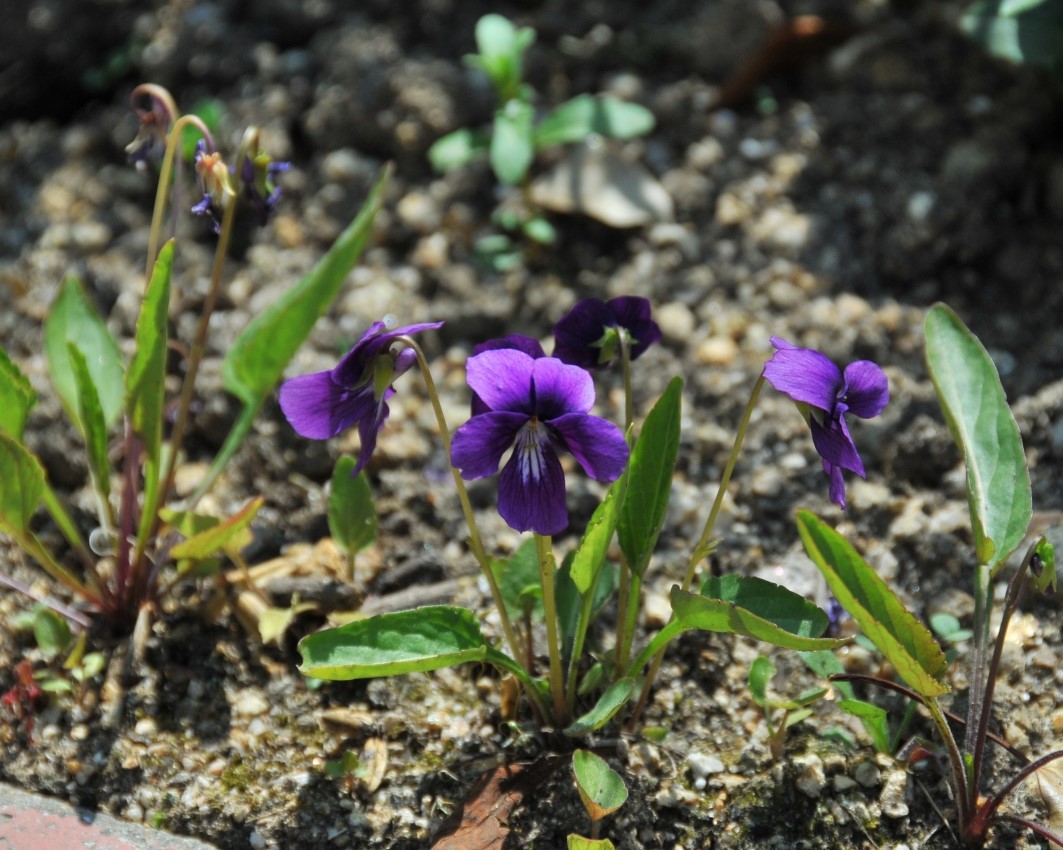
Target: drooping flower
537,406
155,122
322,404
824,394
257,173
212,175
589,334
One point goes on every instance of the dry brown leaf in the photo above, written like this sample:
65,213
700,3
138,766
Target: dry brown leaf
481,822
374,762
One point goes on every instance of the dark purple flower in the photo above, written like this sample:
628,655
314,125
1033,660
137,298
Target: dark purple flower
322,404
589,334
517,342
537,406
155,122
257,181
824,395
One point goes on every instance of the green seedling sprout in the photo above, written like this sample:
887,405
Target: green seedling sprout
779,714
351,516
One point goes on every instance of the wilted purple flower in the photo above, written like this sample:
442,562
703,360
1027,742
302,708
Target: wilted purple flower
589,334
535,406
212,175
824,394
256,179
322,404
155,122
518,342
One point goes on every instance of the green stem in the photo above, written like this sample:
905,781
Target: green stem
630,615
68,528
475,541
629,403
172,140
57,571
546,575
705,543
199,346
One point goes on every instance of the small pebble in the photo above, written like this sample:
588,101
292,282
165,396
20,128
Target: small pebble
867,774
704,764
810,776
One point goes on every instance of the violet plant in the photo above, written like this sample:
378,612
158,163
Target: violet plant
999,497
143,542
517,134
537,407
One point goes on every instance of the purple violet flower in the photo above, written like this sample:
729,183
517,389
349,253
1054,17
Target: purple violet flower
532,347
536,406
589,334
824,394
322,404
212,175
257,179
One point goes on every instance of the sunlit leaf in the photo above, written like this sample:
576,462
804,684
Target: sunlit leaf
600,787
392,644
91,420
457,149
761,672
51,631
512,147
905,642
21,485
977,412
145,382
17,397
584,115
351,514
72,318
519,581
616,696
874,720
649,479
232,533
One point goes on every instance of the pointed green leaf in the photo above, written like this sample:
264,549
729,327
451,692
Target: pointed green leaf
586,115
457,149
17,397
616,696
905,642
579,842
590,554
600,787
351,514
501,47
649,479
230,534
74,319
874,719
145,382
392,644
21,486
794,622
512,148
977,412
1045,580
769,601
91,421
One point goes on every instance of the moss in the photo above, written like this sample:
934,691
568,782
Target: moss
238,776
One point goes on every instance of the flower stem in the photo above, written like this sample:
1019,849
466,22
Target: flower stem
629,404
475,541
172,140
199,345
546,576
705,543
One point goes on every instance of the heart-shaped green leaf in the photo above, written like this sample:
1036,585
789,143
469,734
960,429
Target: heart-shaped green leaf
977,412
600,787
392,644
351,515
905,642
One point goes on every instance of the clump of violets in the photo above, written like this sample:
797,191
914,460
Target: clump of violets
537,407
824,394
321,405
593,332
254,177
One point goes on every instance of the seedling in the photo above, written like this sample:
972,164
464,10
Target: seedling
779,714
601,788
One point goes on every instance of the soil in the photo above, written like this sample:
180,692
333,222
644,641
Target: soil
852,186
